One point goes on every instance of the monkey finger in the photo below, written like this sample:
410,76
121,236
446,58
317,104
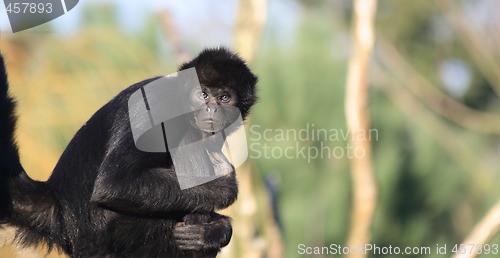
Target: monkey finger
190,245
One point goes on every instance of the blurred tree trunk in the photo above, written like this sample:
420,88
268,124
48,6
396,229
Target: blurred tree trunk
256,233
364,187
250,22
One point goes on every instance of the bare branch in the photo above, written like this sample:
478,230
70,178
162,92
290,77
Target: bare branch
472,40
256,233
430,94
425,118
252,15
364,187
484,231
172,36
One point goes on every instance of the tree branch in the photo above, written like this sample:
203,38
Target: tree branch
484,231
172,36
356,103
474,43
392,59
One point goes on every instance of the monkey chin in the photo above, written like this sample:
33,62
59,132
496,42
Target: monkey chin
210,126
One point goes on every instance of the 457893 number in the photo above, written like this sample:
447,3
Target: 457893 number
29,8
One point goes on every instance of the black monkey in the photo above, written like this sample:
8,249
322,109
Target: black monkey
106,198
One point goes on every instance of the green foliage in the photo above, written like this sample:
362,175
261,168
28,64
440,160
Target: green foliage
422,190
302,85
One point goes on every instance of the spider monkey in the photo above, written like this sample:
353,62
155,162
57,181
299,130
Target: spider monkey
107,198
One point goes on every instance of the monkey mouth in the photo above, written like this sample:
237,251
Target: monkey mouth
209,125
206,123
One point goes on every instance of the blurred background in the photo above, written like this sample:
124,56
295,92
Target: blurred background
433,104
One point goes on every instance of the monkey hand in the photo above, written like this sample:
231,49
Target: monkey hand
203,232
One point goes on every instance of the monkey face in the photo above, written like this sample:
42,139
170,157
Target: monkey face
216,108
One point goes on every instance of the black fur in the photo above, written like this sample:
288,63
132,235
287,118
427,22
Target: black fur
106,198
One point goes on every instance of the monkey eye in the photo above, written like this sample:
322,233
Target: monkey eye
225,98
203,95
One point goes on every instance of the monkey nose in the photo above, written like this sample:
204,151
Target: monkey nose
211,108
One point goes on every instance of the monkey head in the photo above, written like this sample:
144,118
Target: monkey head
227,86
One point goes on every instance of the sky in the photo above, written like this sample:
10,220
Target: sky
192,17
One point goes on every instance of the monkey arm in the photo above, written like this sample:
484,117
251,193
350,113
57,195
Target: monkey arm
156,190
